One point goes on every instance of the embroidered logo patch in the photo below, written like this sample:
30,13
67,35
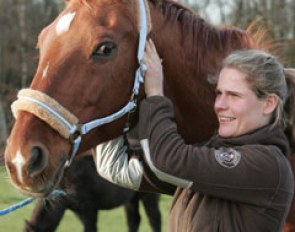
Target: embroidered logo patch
228,157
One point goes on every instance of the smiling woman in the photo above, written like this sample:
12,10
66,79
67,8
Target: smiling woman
251,92
233,102
222,183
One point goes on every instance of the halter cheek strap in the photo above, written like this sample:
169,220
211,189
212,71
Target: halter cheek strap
66,123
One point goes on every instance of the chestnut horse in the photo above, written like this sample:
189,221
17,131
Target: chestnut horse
88,57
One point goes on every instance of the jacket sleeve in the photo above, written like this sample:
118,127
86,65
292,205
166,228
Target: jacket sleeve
124,167
253,178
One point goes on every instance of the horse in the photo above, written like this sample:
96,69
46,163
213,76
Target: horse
86,65
87,193
84,92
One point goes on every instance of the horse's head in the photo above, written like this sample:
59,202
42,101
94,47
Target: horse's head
86,71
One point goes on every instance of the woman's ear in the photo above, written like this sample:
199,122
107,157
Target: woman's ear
271,102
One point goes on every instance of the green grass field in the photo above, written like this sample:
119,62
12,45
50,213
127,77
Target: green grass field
109,220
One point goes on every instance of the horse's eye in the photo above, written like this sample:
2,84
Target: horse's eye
104,50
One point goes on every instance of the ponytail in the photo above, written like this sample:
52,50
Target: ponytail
289,107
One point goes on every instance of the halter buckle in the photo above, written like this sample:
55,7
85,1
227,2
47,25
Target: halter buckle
75,134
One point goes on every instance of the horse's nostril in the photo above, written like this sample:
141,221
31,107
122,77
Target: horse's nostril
37,161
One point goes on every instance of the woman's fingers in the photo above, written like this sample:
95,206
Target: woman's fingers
152,46
154,75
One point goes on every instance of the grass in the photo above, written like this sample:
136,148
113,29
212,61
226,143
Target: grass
108,220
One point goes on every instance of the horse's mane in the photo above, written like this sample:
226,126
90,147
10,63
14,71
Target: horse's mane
202,40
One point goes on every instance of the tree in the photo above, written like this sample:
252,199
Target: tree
20,24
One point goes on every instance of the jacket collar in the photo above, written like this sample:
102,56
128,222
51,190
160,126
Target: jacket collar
267,135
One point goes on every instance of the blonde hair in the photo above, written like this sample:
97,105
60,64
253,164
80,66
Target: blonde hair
264,74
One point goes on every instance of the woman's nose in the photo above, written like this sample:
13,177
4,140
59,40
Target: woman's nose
220,102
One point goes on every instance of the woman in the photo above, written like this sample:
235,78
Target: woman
241,179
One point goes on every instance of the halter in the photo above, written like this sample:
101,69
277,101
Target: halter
62,120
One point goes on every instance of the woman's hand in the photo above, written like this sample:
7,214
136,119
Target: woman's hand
153,83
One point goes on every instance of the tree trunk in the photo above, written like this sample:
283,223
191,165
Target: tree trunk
22,46
3,131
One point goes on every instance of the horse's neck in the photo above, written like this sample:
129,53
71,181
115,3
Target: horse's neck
184,84
192,51
181,50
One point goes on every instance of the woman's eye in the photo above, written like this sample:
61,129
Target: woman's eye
104,50
234,94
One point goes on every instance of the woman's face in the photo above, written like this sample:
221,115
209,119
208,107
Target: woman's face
237,107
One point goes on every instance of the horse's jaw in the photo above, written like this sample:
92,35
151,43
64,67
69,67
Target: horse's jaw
36,188
40,190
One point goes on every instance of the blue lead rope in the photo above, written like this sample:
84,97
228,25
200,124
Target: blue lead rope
27,201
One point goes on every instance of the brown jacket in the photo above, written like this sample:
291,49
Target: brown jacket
228,185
